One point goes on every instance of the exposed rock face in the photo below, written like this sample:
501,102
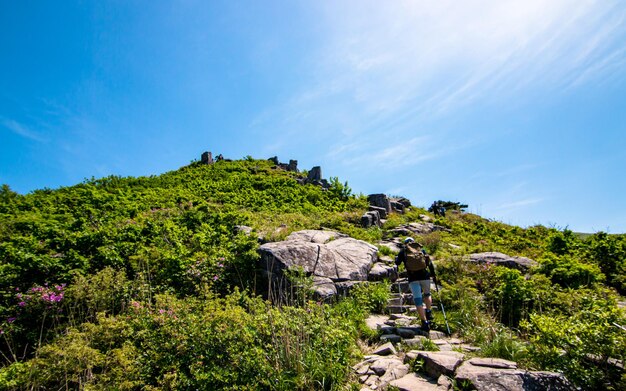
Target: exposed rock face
381,271
328,256
380,200
487,378
417,228
206,158
315,174
370,219
381,211
495,258
293,166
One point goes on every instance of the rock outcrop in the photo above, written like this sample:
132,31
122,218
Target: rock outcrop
496,258
329,257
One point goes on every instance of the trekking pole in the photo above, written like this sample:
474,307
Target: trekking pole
442,309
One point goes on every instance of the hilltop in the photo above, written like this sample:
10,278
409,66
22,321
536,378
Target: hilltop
157,283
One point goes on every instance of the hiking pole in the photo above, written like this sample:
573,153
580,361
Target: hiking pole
443,310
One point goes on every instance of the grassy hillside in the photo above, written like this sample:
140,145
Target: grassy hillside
145,283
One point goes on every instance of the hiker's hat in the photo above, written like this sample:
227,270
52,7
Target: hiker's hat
409,240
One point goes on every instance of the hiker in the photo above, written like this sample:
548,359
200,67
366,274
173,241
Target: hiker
420,268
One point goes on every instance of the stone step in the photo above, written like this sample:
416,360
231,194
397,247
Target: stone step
398,309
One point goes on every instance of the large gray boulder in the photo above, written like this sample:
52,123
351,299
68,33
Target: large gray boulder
380,200
328,256
417,228
504,376
496,258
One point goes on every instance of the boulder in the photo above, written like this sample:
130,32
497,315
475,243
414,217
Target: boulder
382,212
417,228
381,271
206,158
401,200
327,256
383,365
385,349
496,258
414,382
396,206
243,229
483,378
440,363
315,236
370,219
380,200
315,174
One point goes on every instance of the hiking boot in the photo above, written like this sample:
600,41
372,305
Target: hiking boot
429,315
425,326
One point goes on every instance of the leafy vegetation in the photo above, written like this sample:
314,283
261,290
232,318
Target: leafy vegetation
148,283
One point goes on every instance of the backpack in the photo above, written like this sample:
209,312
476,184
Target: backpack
415,258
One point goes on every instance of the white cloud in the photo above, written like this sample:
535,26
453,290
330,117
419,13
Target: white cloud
386,68
22,130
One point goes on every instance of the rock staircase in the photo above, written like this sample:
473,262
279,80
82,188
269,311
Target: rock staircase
410,359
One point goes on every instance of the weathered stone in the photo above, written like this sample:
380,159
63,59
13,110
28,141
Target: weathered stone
496,258
394,245
417,228
380,200
384,364
380,272
315,236
417,341
434,334
206,158
394,338
293,166
323,288
274,159
414,382
402,200
405,332
425,218
374,322
315,174
440,363
243,229
345,287
394,374
387,330
493,363
445,383
367,221
382,212
385,349
396,206
484,378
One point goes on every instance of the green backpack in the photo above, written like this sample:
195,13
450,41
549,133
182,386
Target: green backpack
415,258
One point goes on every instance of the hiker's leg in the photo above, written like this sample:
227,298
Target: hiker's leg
427,297
416,291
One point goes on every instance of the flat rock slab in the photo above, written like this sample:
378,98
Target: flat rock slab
414,382
385,349
374,322
496,258
440,363
490,379
493,363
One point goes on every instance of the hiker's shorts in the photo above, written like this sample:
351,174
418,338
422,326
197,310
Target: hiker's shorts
417,287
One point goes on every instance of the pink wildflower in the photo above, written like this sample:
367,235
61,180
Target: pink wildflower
22,304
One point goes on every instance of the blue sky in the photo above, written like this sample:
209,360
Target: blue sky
515,108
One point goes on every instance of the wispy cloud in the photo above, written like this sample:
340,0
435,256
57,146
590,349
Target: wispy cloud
509,206
22,130
387,69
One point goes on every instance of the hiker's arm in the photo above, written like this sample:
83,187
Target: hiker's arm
431,266
400,258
